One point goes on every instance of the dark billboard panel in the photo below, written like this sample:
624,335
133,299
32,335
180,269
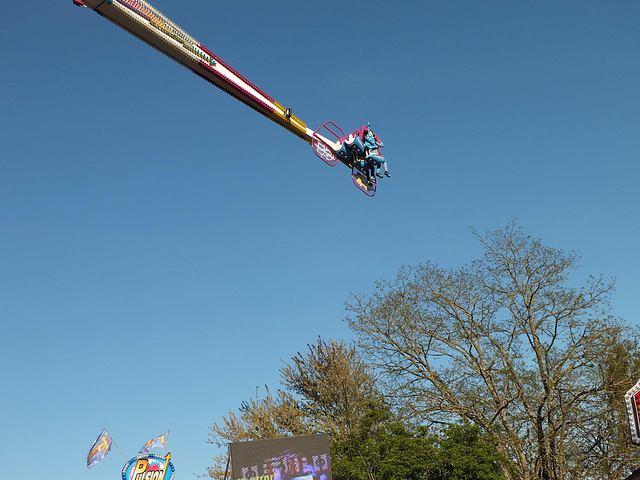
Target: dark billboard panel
290,458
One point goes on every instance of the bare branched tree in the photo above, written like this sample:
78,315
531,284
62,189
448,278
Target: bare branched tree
506,344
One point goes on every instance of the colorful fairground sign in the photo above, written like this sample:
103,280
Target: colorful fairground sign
632,399
148,466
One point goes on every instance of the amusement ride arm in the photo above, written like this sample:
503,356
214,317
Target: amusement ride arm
142,20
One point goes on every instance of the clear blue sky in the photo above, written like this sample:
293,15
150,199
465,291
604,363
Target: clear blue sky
163,246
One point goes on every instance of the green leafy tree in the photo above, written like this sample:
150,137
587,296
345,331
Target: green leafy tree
383,448
465,452
387,448
507,344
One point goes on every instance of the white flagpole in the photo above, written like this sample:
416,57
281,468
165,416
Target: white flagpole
114,442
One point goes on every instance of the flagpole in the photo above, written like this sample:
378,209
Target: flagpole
164,447
114,442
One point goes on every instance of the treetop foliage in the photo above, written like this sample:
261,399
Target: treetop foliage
505,344
499,369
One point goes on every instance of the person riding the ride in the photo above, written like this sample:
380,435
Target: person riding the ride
372,152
